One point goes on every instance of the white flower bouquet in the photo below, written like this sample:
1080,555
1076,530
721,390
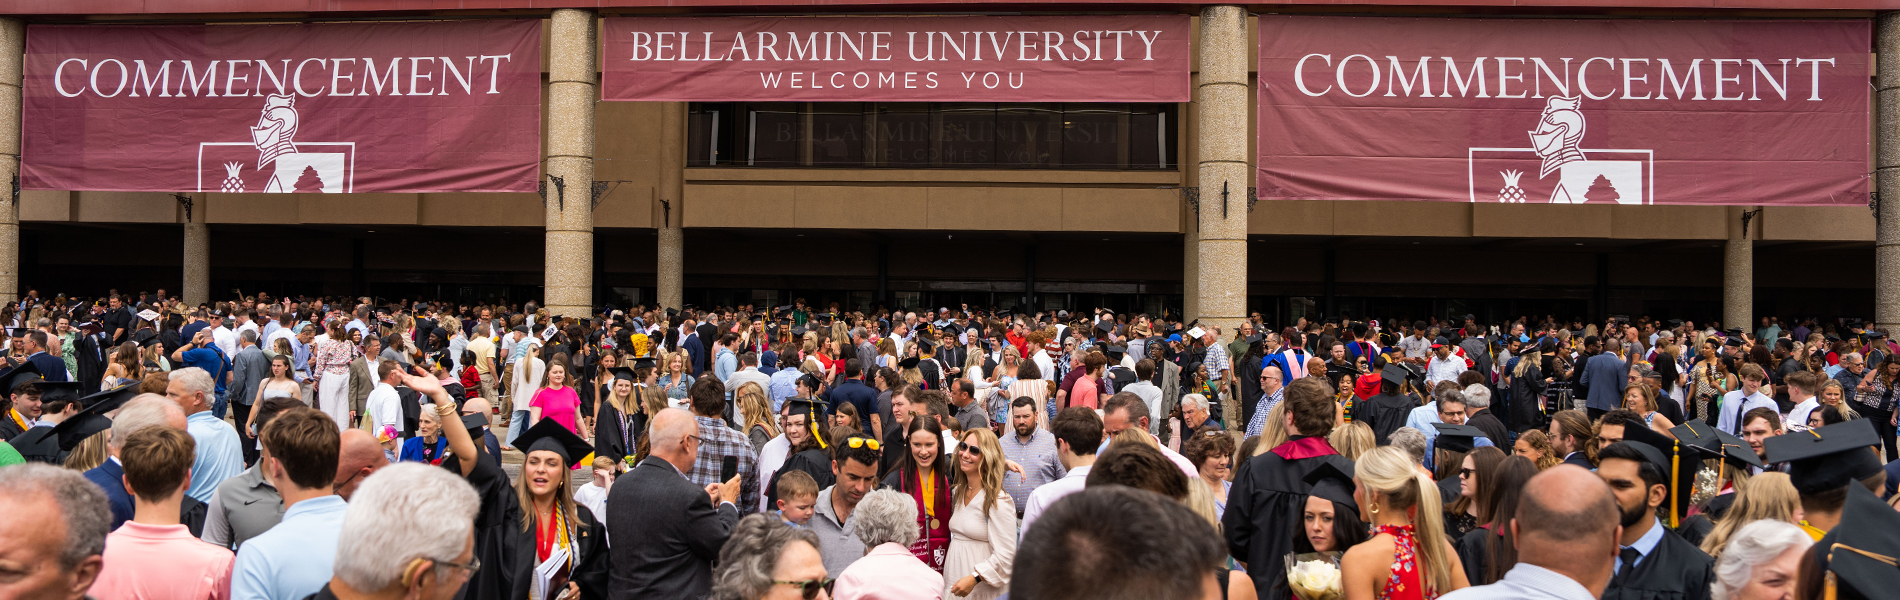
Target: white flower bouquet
1314,575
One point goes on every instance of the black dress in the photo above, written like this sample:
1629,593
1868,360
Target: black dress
498,534
591,559
1675,570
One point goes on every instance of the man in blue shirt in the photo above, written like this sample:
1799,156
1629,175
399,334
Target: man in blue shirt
218,457
852,390
204,354
295,558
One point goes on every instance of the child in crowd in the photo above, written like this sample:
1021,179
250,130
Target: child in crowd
797,497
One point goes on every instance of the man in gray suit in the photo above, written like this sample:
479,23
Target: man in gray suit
249,367
673,530
1605,375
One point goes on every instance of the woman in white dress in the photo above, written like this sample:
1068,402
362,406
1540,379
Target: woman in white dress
332,368
983,526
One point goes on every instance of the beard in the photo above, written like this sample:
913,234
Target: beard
1025,430
1632,516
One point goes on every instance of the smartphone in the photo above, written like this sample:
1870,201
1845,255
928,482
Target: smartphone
728,467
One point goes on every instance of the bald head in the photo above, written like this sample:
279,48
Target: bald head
477,406
669,428
1568,522
358,456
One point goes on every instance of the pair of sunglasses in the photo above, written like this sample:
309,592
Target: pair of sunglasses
811,587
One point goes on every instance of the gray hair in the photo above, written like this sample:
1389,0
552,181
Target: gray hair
196,380
143,411
1755,544
404,511
1477,396
82,506
1199,401
1412,441
1851,356
248,335
750,556
885,516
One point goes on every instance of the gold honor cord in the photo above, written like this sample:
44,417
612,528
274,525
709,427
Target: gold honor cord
1675,474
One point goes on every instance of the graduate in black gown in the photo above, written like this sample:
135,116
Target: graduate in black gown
559,538
1265,509
498,522
14,382
1651,475
805,429
1386,412
59,401
622,419
1860,554
1737,458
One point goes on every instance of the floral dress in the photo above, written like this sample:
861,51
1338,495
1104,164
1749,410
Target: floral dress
1406,582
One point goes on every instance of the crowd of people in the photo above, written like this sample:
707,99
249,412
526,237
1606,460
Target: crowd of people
291,448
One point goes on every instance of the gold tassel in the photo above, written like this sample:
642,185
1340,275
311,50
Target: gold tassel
1675,474
1830,593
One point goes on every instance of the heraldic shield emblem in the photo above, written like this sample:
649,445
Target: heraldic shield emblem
274,162
1566,172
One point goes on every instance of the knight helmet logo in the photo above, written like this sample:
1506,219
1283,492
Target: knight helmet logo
275,127
1558,133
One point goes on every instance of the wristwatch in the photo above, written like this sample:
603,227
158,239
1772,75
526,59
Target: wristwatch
979,578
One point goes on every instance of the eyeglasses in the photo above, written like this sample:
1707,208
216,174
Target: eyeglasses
474,564
860,442
1467,472
811,587
695,439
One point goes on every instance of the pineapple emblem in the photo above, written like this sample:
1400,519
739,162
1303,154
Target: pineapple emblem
1511,193
232,184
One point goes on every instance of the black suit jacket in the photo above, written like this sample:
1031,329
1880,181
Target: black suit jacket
670,533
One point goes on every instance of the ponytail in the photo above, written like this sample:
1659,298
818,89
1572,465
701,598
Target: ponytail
1435,563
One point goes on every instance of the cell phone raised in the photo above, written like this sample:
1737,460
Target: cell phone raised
728,467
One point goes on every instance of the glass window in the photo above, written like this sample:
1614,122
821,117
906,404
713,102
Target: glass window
1086,136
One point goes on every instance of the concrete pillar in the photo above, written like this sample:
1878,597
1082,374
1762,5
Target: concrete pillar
197,285
12,50
672,270
1887,171
1738,270
1220,249
572,92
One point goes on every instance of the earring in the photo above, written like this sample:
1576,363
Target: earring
1374,508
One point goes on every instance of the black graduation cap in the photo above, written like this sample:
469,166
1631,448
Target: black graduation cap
814,410
474,424
952,329
1827,458
72,431
1733,332
551,436
924,346
54,391
908,363
1866,548
1114,353
1332,483
1716,442
1678,462
109,400
1396,373
25,373
1456,438
1733,341
645,362
798,331
1104,326
624,373
145,338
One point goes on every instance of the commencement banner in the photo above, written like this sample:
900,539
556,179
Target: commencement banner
897,59
334,108
1564,111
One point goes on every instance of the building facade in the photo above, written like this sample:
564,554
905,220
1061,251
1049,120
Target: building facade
1146,206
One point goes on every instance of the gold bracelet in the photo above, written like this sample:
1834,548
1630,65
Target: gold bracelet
445,410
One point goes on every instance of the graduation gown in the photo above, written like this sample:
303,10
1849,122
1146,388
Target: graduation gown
91,361
8,428
815,462
1675,570
1385,414
1449,489
498,533
1474,551
615,436
591,559
1695,529
46,450
1264,509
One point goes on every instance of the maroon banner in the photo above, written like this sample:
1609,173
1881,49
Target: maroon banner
333,108
898,59
1564,110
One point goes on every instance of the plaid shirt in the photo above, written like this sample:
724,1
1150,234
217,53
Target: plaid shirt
716,441
1215,361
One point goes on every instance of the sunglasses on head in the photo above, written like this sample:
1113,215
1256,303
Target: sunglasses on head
859,442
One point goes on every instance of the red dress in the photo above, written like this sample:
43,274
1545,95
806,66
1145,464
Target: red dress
1406,581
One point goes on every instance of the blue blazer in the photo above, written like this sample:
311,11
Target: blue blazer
109,476
50,366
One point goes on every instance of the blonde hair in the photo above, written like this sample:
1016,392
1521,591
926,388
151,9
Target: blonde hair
91,452
1768,496
1391,474
992,468
1352,440
753,406
1274,432
1201,501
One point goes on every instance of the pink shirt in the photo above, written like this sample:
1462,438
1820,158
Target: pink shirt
1086,393
889,572
162,562
562,405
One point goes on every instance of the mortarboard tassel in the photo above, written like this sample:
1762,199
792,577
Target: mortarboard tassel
1675,475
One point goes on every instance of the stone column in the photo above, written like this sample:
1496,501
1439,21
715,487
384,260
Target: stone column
197,285
1738,270
1220,275
671,274
1887,171
12,50
572,92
